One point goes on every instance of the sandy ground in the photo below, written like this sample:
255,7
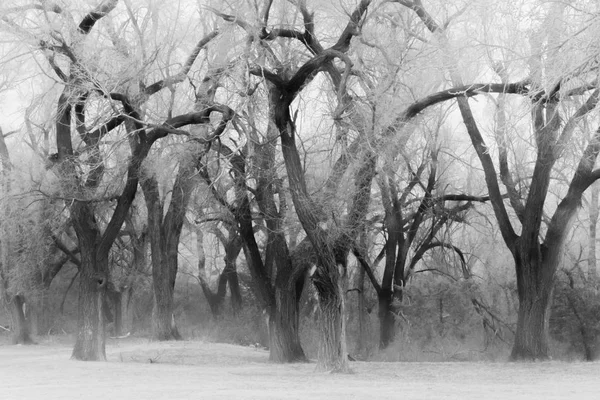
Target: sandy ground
138,369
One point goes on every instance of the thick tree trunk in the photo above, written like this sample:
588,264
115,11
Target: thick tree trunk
278,299
164,327
387,320
93,281
163,273
20,327
234,287
91,324
164,234
284,322
535,287
284,344
91,328
333,352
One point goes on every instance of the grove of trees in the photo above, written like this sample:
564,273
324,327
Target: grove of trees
318,160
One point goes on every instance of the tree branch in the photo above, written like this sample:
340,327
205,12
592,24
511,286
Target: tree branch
474,89
365,264
431,245
185,69
88,22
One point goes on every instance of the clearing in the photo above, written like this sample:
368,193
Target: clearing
139,369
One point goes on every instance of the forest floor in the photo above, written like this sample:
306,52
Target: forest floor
140,369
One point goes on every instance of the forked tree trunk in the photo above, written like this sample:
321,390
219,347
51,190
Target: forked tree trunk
535,295
164,272
20,327
279,300
164,327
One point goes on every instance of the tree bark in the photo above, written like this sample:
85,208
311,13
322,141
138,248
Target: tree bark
535,285
361,344
333,351
164,232
21,333
594,213
284,324
387,320
127,311
93,281
277,292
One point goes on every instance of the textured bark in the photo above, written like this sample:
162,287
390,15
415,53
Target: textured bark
531,339
93,280
284,340
333,352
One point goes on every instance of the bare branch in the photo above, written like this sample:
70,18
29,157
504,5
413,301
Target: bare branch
365,264
471,90
352,28
501,139
428,246
185,69
88,22
567,132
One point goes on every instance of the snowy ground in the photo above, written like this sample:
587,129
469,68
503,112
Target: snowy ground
139,369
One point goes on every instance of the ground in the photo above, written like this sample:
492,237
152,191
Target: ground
139,369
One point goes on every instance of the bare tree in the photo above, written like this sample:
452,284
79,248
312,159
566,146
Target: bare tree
537,251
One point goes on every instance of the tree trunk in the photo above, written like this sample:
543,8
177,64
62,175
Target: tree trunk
163,275
164,327
229,274
594,213
284,322
361,339
93,281
333,352
20,325
118,313
387,320
127,311
535,295
91,325
279,299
